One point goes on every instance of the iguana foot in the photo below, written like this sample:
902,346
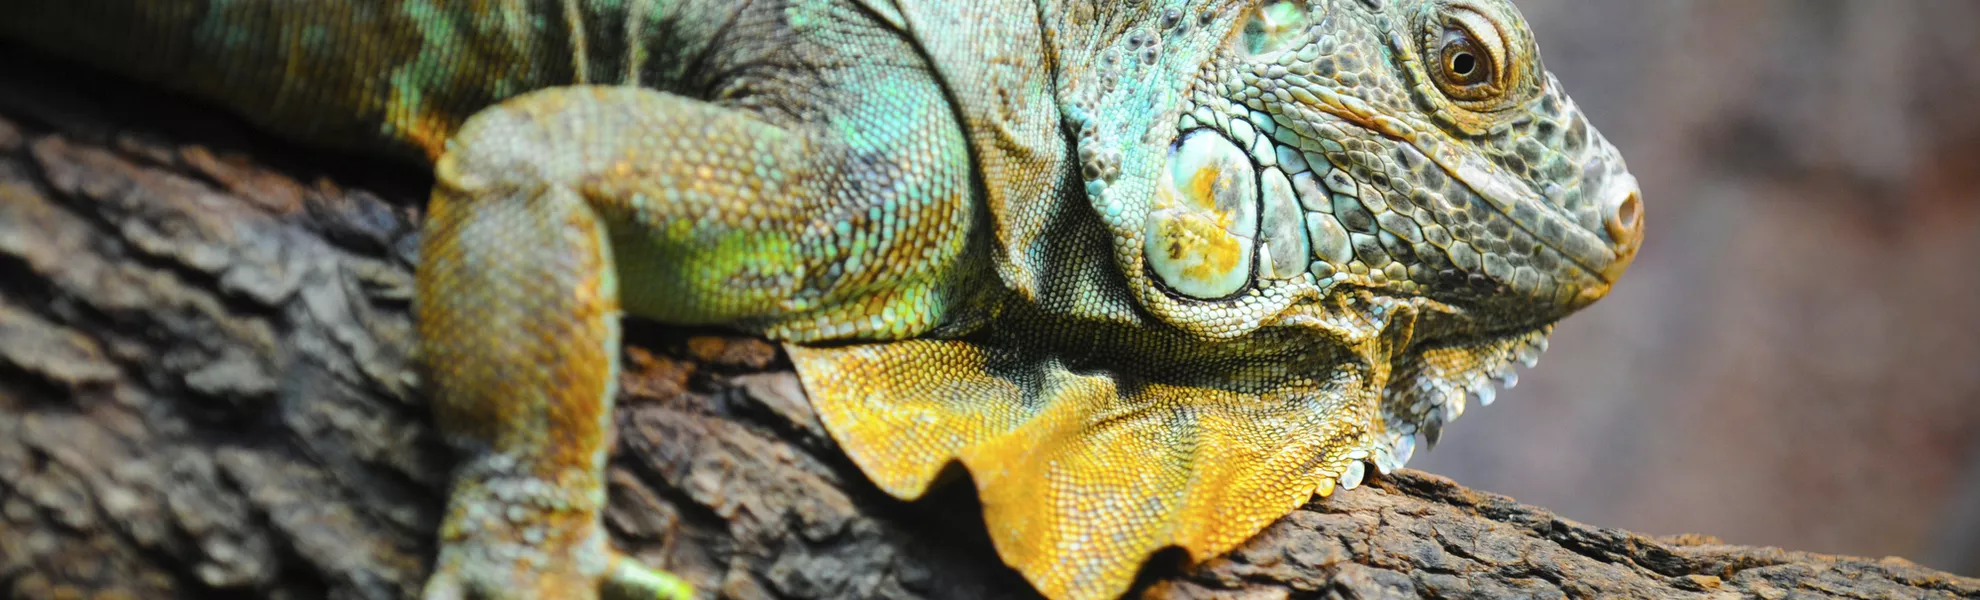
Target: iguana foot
516,533
627,579
520,572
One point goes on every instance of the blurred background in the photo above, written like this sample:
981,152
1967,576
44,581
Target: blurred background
1794,360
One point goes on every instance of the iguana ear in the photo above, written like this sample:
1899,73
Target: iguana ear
1088,462
1204,239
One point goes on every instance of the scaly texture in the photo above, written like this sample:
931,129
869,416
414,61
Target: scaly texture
1153,272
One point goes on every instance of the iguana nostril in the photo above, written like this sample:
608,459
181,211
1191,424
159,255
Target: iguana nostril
1624,223
1625,219
1631,209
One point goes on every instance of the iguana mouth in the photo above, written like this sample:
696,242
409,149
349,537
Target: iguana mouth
1527,211
1532,213
1352,233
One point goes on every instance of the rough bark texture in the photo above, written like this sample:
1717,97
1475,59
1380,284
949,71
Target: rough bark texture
205,392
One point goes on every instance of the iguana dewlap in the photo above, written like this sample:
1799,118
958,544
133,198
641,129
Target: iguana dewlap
1155,272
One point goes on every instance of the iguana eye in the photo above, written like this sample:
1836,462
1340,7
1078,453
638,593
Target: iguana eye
1470,57
1461,63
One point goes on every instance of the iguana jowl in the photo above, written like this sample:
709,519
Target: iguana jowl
1155,272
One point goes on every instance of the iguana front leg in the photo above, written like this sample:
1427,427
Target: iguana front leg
555,212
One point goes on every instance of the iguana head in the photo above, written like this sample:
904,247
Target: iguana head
1359,158
1414,155
1304,233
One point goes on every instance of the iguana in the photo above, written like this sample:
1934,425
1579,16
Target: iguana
1153,272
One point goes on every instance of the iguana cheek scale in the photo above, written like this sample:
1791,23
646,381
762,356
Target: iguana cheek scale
1153,272
1203,225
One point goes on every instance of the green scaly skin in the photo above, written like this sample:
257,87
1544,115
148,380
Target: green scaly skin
1155,272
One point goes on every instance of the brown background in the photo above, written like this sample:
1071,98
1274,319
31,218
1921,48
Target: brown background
1795,358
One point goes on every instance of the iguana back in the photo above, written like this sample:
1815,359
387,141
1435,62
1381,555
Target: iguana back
400,77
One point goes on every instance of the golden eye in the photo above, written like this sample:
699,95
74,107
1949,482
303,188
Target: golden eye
1470,58
1462,65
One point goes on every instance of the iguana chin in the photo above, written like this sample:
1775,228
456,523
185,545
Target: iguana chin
1154,272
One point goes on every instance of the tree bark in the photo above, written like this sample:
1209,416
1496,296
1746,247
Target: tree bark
205,391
